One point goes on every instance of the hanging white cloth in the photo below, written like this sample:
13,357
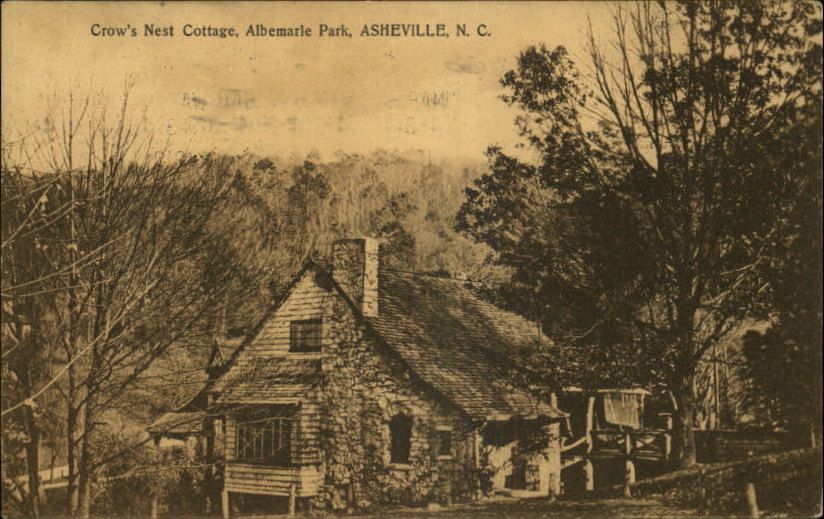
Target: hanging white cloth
625,409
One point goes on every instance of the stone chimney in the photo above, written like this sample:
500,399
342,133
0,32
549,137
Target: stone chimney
355,269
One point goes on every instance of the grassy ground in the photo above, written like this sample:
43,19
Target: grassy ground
565,508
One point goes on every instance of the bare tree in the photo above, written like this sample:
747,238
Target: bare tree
129,266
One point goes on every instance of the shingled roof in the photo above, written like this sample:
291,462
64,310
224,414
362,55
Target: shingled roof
178,424
257,379
461,345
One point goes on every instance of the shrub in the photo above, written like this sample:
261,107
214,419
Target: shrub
789,482
126,485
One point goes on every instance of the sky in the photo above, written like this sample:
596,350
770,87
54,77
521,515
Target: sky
289,95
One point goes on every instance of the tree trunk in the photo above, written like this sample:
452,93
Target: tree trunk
683,433
209,470
33,462
99,330
85,464
86,455
684,376
71,461
72,340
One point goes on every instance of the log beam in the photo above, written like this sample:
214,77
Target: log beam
589,469
476,459
589,475
752,501
629,475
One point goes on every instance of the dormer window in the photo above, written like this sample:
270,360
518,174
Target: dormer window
305,336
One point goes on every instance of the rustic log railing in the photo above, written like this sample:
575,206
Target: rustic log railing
643,443
580,441
648,444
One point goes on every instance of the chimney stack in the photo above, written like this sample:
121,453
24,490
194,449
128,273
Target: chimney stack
355,269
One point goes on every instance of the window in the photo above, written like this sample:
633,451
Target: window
304,336
400,430
264,439
444,442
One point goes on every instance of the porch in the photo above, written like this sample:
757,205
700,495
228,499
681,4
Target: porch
521,456
271,450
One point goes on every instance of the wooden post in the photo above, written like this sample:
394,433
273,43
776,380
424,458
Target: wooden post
702,490
154,505
561,444
292,494
590,422
589,474
668,438
752,501
551,466
629,476
209,470
553,488
589,469
476,449
224,501
716,388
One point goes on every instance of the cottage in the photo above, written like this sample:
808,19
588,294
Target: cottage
367,386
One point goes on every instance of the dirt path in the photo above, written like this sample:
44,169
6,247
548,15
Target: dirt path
539,507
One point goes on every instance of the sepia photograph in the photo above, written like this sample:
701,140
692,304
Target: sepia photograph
401,259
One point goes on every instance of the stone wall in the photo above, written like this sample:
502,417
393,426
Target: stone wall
364,387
